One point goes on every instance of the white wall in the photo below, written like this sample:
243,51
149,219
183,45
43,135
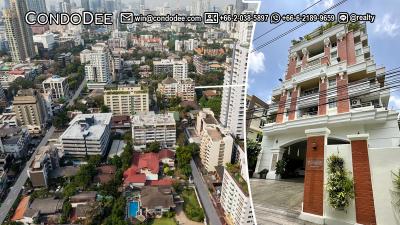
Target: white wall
382,161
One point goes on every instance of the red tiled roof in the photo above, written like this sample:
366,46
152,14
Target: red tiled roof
162,182
135,178
166,153
22,206
149,161
16,72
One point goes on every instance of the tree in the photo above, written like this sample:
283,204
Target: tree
253,150
213,103
18,84
66,211
61,120
104,109
154,147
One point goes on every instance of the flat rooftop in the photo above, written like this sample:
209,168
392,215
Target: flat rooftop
90,125
151,118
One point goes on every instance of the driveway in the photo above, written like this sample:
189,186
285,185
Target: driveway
182,219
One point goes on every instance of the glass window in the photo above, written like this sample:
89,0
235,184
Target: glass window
332,103
358,51
332,82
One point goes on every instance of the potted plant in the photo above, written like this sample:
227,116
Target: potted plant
263,173
280,168
340,185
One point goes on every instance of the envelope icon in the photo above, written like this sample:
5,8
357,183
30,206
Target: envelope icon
126,17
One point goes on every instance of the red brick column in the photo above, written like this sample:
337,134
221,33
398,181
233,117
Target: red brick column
323,86
364,198
342,46
281,107
313,202
351,50
293,103
343,101
291,67
327,52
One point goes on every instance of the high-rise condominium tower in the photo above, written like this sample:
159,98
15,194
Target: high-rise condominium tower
19,34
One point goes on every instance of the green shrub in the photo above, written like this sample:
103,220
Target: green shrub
340,186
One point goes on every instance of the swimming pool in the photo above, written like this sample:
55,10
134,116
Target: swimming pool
133,209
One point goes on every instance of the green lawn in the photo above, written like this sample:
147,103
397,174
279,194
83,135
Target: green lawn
191,206
164,221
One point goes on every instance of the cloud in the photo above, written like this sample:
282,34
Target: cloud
387,25
256,62
394,102
328,3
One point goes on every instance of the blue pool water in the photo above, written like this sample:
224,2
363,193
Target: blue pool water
133,209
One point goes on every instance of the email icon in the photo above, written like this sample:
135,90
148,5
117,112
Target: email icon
126,17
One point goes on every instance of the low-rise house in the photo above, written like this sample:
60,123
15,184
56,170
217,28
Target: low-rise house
167,156
83,198
105,174
156,200
45,209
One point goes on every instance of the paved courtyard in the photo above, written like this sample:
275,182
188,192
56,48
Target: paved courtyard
278,202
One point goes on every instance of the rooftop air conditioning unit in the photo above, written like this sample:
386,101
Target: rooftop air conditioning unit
355,102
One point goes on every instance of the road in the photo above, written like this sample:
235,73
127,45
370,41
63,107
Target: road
205,198
17,187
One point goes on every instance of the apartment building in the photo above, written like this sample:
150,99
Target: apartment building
149,127
30,111
178,68
58,85
215,147
87,134
184,89
164,66
98,67
126,100
333,101
235,199
45,160
19,34
14,140
255,117
233,95
202,67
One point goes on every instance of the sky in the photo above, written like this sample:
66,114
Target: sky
157,3
269,64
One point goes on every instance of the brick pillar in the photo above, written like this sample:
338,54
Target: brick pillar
327,52
351,50
342,46
291,67
281,107
343,101
293,103
313,202
364,198
305,58
323,84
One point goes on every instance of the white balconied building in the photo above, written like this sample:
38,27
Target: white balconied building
87,134
235,199
234,94
57,86
98,66
148,127
215,147
334,101
126,100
